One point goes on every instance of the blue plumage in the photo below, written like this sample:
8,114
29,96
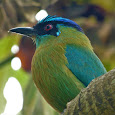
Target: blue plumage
61,21
84,64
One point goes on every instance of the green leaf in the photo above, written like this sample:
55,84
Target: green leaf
6,43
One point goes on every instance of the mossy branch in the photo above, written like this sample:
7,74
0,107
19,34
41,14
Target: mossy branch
97,99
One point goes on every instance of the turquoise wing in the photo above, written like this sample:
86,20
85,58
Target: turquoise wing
84,64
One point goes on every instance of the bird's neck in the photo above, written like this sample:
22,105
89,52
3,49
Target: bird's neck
68,36
74,37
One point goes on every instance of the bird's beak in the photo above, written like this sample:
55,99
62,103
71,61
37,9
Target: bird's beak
27,31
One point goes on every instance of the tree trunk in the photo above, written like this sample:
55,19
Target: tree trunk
97,99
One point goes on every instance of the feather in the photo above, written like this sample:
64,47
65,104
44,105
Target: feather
60,20
84,64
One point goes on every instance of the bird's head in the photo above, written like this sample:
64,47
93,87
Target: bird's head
53,28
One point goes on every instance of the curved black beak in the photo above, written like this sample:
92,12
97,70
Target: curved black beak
27,31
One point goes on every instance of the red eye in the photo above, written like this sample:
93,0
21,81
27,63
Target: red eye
48,27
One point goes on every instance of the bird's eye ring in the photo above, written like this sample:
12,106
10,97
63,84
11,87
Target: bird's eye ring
48,27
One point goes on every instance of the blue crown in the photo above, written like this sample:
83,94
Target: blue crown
64,21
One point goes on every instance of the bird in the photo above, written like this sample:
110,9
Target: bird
64,61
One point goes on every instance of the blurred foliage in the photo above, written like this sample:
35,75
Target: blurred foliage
5,70
6,43
109,5
104,46
33,102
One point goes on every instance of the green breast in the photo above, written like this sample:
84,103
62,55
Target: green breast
54,80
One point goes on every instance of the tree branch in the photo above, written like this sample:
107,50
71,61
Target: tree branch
97,99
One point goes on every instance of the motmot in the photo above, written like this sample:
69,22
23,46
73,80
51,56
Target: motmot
64,61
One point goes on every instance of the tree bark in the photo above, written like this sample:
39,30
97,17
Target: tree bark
98,98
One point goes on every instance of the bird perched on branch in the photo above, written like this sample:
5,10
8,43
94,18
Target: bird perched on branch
64,61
